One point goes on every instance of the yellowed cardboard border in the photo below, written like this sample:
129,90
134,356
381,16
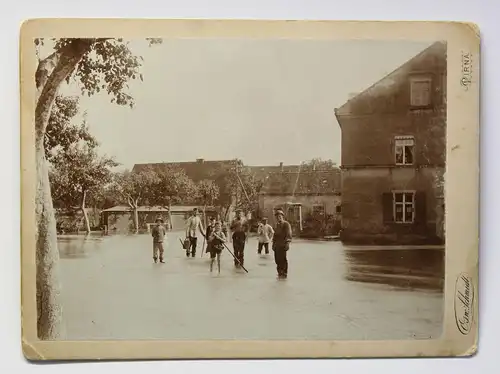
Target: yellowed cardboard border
461,190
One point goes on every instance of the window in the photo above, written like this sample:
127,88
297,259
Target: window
338,209
420,92
404,150
404,206
318,210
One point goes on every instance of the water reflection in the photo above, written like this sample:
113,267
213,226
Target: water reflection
402,268
78,246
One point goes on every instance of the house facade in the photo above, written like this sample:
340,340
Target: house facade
393,155
311,200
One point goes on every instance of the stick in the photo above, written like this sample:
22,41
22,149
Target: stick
232,254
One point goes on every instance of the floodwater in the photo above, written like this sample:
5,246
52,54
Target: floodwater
112,290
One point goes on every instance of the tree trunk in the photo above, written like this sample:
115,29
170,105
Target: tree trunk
170,216
85,215
136,219
48,293
50,74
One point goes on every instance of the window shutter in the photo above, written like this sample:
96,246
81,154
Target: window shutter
420,208
387,207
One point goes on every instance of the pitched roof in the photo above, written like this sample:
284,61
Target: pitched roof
390,80
196,170
306,182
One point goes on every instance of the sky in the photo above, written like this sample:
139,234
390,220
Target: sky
263,101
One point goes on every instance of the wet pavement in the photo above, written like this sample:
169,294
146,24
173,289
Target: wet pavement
113,290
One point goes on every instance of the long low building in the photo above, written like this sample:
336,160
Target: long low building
120,218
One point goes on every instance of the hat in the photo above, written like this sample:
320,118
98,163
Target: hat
264,218
195,209
238,210
159,219
278,212
212,218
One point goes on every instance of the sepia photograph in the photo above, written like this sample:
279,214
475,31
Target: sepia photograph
233,188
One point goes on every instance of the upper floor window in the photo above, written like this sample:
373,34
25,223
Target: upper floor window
420,91
404,150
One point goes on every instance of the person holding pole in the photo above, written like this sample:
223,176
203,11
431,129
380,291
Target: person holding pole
216,240
239,228
193,225
281,243
208,232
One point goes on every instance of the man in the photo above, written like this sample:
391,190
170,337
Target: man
208,231
158,233
265,233
193,225
239,227
281,243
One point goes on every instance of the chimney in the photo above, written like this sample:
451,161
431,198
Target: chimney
281,166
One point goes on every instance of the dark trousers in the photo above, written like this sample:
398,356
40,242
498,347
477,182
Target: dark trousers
263,245
193,242
281,261
239,248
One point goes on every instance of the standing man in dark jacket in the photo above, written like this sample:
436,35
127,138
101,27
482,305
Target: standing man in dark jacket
158,233
239,228
281,243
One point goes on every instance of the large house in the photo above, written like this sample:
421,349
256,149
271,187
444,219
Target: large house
393,155
311,200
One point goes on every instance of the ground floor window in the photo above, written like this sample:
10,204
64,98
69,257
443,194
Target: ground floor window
318,210
404,206
338,209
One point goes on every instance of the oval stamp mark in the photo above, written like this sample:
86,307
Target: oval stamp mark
464,303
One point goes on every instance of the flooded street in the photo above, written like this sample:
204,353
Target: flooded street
113,290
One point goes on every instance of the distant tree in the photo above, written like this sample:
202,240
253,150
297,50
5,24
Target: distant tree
239,186
318,164
96,64
77,175
207,193
134,189
172,186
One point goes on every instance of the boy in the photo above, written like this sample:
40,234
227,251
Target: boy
158,233
208,231
265,233
216,240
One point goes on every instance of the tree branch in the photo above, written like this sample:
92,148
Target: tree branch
48,83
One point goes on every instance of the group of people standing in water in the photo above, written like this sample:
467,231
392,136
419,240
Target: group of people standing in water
216,235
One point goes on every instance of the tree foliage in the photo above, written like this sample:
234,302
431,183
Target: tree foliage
238,186
61,133
134,188
318,164
172,186
207,192
78,171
